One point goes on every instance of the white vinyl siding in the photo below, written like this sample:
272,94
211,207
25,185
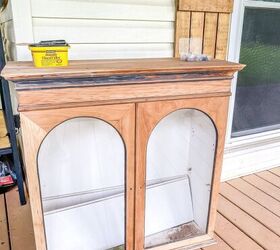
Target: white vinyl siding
100,29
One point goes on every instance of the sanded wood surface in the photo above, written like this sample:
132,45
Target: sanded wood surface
150,114
4,139
208,25
36,125
222,36
206,5
210,34
182,29
197,23
26,70
90,96
228,231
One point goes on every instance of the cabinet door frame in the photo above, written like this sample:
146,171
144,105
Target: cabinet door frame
35,126
148,115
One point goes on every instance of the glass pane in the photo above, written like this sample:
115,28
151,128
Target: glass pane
180,158
81,168
257,102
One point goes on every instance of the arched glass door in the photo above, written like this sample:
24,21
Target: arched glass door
81,165
180,161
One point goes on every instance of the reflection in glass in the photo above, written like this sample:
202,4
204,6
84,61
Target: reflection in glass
180,158
257,101
81,168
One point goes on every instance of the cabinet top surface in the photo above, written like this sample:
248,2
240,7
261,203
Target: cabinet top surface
20,71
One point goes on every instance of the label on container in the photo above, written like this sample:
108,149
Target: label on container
6,180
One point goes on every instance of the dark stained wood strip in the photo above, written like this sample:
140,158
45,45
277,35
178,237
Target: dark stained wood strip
247,224
119,80
263,185
248,205
257,195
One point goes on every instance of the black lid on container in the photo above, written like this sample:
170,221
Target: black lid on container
50,43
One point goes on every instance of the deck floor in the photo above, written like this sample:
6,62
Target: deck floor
248,216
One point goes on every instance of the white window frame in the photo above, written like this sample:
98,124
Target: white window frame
244,151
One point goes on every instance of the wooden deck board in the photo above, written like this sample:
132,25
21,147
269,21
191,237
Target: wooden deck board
247,224
263,185
248,216
270,177
248,205
233,236
4,236
20,223
275,171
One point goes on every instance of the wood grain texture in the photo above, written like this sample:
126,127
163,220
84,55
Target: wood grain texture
222,36
260,197
248,205
257,231
197,27
36,125
233,236
183,24
210,34
68,97
148,115
133,109
264,186
20,222
206,5
4,235
26,70
275,171
270,177
221,244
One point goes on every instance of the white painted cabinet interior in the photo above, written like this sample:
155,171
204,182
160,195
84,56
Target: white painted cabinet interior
94,28
81,167
180,160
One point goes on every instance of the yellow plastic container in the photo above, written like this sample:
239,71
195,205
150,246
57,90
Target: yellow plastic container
52,55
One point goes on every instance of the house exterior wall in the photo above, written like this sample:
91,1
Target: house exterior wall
95,29
106,29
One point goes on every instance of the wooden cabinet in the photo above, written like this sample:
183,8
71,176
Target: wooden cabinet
123,154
